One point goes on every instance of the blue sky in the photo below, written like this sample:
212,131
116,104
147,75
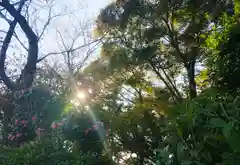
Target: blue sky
85,12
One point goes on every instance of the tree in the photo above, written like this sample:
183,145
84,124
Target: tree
224,48
29,70
26,14
177,26
143,100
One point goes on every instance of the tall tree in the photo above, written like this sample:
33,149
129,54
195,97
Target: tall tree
177,26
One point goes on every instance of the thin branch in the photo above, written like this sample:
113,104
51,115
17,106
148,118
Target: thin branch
27,10
16,36
5,18
88,54
126,99
63,42
173,40
50,17
75,39
119,84
65,51
46,25
163,80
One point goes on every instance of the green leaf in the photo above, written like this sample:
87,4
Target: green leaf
180,150
187,163
217,122
227,129
179,131
68,107
149,90
194,152
234,142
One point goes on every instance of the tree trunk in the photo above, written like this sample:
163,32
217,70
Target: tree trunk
190,67
28,73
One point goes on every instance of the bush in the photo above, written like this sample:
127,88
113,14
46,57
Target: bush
204,131
34,110
87,133
47,152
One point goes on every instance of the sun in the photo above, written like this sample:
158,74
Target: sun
81,95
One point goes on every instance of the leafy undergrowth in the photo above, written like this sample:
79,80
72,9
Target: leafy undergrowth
204,131
47,152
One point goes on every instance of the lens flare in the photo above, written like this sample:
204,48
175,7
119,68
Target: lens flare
81,95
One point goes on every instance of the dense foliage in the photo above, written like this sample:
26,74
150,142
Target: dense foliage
164,90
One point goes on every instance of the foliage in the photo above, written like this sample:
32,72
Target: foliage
34,110
48,152
201,127
144,100
86,132
228,61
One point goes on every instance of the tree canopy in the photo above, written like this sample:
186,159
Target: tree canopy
163,88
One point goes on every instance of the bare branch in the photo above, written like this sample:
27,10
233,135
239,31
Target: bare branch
87,56
50,17
5,18
16,36
46,25
62,40
72,50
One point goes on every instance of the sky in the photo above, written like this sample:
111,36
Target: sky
83,15
76,17
81,20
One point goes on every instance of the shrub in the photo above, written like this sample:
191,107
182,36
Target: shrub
48,152
204,131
